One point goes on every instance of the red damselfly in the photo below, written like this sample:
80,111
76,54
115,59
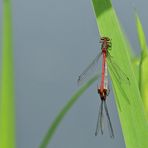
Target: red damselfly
103,88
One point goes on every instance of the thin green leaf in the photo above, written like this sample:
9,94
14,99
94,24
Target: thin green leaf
143,70
7,107
132,116
65,109
141,35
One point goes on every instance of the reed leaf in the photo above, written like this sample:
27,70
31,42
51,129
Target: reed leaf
143,70
7,105
132,116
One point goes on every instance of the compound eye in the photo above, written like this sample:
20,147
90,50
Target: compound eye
102,38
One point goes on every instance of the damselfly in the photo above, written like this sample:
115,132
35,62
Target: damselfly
103,88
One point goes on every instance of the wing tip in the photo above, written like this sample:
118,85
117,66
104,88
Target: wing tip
78,80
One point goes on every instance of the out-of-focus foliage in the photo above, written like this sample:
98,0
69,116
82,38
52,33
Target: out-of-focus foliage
63,112
7,107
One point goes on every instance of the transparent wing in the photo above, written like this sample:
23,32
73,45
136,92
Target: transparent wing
122,92
89,70
109,121
120,77
100,120
120,74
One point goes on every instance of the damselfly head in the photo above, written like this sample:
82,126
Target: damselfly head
102,39
106,42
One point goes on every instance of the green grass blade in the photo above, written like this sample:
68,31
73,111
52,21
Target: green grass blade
143,70
132,117
65,109
7,111
141,36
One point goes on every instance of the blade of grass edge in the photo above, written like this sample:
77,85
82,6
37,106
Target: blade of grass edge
46,140
143,70
7,106
132,117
